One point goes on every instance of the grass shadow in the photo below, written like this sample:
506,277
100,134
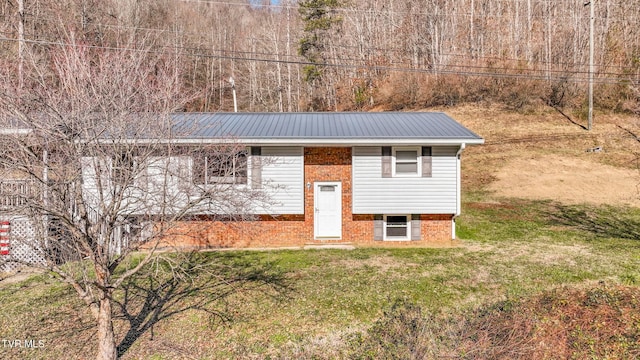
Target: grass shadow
559,110
631,133
602,222
200,281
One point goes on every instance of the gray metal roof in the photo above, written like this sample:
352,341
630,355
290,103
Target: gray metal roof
324,127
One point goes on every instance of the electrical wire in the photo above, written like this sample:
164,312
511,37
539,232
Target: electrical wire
502,71
625,70
534,62
557,75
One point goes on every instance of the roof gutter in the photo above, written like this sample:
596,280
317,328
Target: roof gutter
15,131
319,142
361,142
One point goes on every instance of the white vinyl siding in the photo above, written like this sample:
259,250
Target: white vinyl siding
373,194
282,180
96,181
165,184
99,176
169,183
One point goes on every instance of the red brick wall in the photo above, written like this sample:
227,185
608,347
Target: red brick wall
320,164
436,227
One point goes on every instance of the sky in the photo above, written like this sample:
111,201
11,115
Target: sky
258,2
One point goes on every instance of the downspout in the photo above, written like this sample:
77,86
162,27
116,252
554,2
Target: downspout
458,192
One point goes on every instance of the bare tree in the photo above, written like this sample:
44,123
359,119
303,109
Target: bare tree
89,154
349,50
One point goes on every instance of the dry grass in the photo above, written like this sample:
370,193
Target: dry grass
566,323
543,155
567,180
525,269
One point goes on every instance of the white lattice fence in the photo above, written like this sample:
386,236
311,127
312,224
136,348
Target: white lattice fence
22,246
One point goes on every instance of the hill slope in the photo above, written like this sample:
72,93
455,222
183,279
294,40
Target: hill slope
545,155
528,272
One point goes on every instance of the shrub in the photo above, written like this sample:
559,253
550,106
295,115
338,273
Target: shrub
403,332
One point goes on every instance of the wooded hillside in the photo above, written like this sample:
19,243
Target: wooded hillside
350,55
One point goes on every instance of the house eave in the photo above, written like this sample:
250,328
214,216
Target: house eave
341,142
15,131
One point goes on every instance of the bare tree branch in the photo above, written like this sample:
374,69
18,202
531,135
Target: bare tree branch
90,155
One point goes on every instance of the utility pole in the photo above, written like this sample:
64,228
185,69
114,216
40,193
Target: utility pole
591,21
233,89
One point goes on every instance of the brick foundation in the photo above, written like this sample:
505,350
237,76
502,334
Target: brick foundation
320,164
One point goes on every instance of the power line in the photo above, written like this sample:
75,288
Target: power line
396,50
291,6
431,14
387,50
470,71
449,69
377,49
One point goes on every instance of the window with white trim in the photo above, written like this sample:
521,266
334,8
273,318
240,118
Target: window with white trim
397,227
406,161
122,168
220,167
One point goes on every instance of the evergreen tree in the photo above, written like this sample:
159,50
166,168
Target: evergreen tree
320,19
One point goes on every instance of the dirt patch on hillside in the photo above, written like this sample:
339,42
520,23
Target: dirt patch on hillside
568,180
14,277
545,155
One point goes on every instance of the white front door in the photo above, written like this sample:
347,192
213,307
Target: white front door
328,210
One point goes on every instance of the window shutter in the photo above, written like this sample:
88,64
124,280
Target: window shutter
256,167
386,162
426,161
416,233
378,227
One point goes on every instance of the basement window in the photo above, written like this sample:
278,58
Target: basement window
397,227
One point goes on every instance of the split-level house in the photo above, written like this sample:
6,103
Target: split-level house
293,179
357,178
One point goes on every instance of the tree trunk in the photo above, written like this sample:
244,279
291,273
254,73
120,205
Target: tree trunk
106,338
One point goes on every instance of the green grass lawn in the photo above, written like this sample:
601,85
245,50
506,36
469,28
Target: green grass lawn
319,303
